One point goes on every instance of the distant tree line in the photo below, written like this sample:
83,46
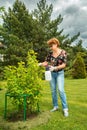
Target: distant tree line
23,30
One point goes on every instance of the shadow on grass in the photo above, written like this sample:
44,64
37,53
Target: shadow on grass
18,116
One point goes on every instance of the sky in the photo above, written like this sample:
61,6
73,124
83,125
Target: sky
73,12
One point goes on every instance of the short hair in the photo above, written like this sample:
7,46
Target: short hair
53,41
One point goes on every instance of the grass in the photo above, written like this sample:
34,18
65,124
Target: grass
76,91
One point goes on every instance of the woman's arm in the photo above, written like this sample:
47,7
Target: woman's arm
59,67
45,63
62,66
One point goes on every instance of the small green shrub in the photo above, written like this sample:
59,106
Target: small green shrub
25,79
78,70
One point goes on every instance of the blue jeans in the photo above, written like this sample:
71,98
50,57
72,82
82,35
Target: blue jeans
58,81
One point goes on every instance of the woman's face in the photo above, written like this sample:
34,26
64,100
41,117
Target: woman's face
53,46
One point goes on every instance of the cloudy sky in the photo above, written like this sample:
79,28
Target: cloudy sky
74,13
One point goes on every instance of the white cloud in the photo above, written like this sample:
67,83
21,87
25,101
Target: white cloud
8,4
74,15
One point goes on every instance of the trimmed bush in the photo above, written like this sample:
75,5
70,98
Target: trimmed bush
79,70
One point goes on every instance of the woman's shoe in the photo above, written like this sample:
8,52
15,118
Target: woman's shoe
66,113
54,109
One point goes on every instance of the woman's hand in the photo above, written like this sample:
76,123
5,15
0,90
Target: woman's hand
43,64
52,68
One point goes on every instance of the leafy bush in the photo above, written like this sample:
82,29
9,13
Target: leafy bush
79,70
25,79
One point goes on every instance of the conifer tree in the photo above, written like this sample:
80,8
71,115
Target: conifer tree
79,70
16,33
46,27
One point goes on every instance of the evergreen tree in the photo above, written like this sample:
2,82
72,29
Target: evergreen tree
79,70
45,29
16,33
73,51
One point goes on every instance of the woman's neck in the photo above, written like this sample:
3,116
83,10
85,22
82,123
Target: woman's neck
56,52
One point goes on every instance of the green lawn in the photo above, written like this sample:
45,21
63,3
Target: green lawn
76,91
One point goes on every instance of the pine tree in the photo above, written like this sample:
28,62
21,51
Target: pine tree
16,33
45,29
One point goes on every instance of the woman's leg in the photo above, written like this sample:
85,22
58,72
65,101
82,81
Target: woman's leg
60,82
53,89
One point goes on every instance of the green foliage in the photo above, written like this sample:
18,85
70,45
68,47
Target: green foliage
79,70
24,80
16,33
1,11
22,30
